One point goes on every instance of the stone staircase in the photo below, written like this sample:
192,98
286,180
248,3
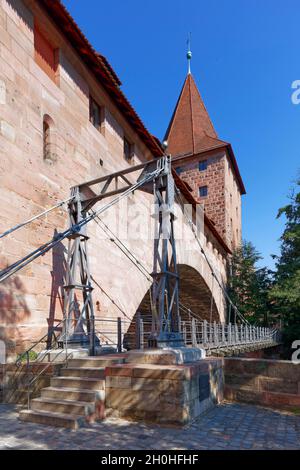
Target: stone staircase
75,397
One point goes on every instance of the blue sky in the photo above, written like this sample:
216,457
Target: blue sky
245,58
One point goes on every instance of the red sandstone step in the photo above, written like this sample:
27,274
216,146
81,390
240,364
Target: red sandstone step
96,361
78,383
69,407
52,419
89,372
69,394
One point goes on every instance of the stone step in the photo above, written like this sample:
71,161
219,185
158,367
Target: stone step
70,394
52,419
96,361
69,407
89,372
78,383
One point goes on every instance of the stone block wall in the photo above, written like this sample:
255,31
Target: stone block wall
267,382
14,380
165,394
31,300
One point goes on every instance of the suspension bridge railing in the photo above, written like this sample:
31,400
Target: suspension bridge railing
123,334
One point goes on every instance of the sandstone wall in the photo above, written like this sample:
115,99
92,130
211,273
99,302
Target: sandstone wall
32,300
265,382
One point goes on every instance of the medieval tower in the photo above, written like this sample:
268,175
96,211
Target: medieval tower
205,163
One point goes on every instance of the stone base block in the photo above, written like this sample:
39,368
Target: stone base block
165,356
173,394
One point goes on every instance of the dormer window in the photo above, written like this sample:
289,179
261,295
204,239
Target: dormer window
128,150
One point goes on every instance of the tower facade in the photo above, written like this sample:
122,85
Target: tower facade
206,163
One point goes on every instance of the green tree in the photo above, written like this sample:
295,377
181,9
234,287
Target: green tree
249,285
286,290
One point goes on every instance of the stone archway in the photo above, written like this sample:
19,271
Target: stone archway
194,294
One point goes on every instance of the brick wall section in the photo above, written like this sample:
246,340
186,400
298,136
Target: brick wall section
213,177
223,201
267,382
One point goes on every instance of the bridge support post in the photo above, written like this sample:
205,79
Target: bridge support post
165,314
78,310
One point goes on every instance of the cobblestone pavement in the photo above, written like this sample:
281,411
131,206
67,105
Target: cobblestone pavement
227,426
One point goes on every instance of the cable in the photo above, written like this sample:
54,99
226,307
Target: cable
137,262
190,222
16,227
15,267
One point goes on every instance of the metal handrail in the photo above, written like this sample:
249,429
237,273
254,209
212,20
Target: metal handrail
36,377
20,356
199,333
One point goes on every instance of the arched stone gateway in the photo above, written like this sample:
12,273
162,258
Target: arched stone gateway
194,295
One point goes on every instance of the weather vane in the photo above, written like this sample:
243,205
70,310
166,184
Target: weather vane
189,52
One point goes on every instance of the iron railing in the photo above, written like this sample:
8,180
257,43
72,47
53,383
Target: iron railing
124,335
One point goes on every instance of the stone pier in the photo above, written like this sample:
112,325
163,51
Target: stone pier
155,387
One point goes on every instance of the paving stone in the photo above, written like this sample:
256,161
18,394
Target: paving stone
227,426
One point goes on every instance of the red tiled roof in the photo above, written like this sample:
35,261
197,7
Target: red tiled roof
191,131
100,67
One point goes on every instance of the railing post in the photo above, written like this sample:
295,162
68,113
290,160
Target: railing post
184,332
138,343
119,346
223,333
194,338
205,338
229,335
247,333
216,342
236,333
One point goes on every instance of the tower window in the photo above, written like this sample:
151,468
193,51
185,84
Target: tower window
128,149
203,191
96,114
203,165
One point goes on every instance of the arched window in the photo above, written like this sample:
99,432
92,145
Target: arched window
48,144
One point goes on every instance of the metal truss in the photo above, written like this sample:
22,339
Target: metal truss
155,176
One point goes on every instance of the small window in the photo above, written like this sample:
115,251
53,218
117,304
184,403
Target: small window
46,55
179,170
128,149
203,165
96,114
49,154
203,191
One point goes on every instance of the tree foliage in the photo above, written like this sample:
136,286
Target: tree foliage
263,296
249,285
286,290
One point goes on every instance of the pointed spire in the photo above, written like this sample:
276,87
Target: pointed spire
190,130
